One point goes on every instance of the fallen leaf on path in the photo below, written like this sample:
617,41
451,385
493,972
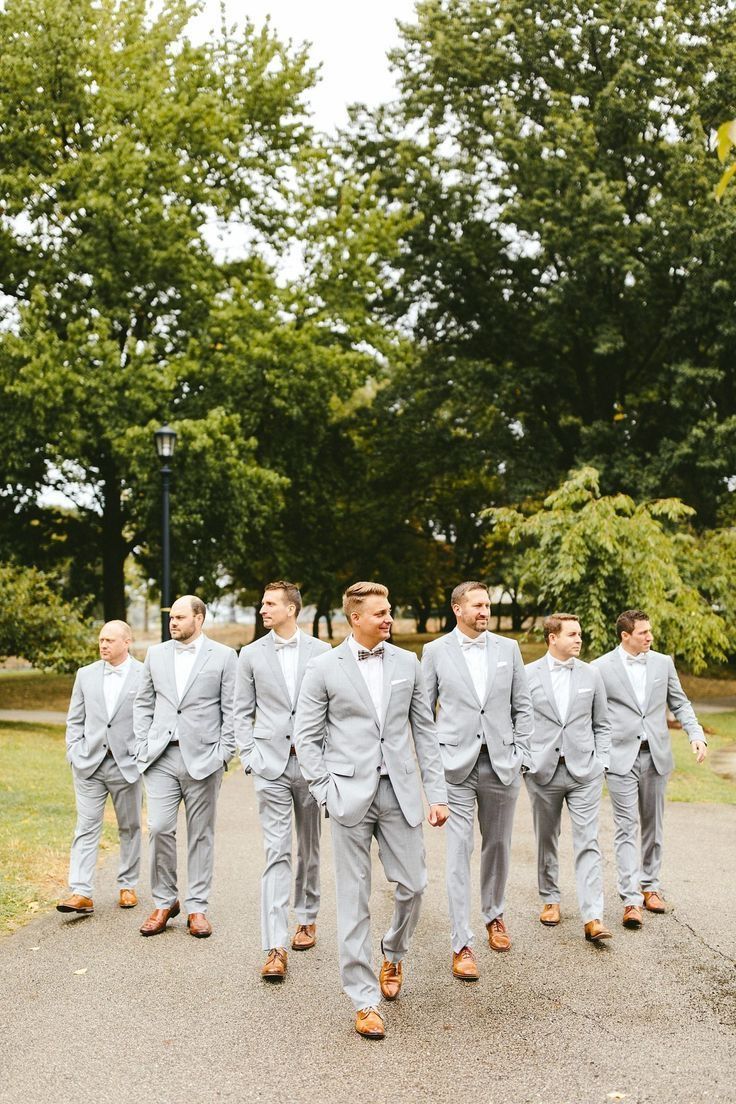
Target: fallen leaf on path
84,971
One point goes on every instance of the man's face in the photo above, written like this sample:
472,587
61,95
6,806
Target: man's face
184,623
275,610
372,622
566,644
473,612
639,640
113,644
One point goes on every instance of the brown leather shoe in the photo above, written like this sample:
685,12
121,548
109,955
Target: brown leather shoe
369,1024
305,937
76,903
653,902
632,917
274,968
498,935
128,898
550,914
158,920
199,926
390,979
464,965
594,931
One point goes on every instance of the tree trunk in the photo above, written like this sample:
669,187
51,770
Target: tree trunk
114,551
322,609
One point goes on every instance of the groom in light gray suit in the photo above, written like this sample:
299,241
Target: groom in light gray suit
477,684
184,740
100,746
570,750
270,673
641,684
362,724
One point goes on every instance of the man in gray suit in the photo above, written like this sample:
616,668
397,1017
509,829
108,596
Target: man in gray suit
362,723
570,751
270,673
184,739
641,684
100,747
477,684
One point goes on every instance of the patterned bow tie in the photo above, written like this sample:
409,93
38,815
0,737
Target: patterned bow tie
281,644
637,659
363,654
479,642
181,648
568,665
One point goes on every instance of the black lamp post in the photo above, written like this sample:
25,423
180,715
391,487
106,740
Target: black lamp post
165,439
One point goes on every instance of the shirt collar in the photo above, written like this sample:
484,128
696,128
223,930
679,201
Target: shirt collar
121,669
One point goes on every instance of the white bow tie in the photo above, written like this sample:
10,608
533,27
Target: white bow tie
637,659
109,670
279,644
558,665
180,649
479,642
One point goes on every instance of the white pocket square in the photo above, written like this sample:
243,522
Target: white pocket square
502,663
586,690
395,682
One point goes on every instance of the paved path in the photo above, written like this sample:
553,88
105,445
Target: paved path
33,716
92,1011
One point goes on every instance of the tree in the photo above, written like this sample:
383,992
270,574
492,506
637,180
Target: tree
49,633
596,555
120,144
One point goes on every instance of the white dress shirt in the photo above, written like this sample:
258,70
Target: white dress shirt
287,652
372,672
474,654
637,673
113,681
561,677
184,660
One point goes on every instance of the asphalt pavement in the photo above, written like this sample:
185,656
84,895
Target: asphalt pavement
91,1011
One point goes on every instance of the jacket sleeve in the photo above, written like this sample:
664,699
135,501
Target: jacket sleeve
425,741
310,726
522,711
75,717
679,703
429,674
602,730
143,710
245,708
227,704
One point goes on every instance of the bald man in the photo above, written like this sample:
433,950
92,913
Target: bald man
100,747
184,738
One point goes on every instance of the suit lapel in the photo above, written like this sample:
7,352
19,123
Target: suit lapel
491,665
457,655
269,649
651,673
170,667
127,685
389,664
575,677
618,669
305,654
204,654
545,678
350,667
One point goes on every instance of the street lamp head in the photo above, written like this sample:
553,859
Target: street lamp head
165,439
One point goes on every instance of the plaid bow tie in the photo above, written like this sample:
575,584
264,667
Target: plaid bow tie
363,654
181,648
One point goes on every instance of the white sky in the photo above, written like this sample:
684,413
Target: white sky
349,37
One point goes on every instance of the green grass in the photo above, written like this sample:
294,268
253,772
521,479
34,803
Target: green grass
37,816
691,781
35,690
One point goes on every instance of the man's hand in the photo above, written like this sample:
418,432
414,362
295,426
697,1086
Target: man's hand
438,814
700,750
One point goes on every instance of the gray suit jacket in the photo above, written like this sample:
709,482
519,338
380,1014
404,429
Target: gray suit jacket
339,738
631,724
89,733
586,729
264,712
505,717
203,717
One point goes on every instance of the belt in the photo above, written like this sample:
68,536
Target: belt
292,750
644,745
173,743
562,759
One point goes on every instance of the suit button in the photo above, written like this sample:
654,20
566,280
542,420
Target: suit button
382,739
482,711
293,712
288,737
110,726
478,736
378,769
178,711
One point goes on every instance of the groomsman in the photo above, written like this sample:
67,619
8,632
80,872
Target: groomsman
184,739
270,673
362,724
100,747
570,749
477,684
641,684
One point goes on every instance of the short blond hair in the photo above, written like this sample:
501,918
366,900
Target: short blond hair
357,593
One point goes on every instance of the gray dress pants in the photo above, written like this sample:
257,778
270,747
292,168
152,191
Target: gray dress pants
91,794
637,799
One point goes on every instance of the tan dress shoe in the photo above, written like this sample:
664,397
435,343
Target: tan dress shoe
498,935
76,903
128,898
390,979
158,920
464,965
199,926
550,914
369,1024
632,917
274,968
594,931
305,937
653,902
